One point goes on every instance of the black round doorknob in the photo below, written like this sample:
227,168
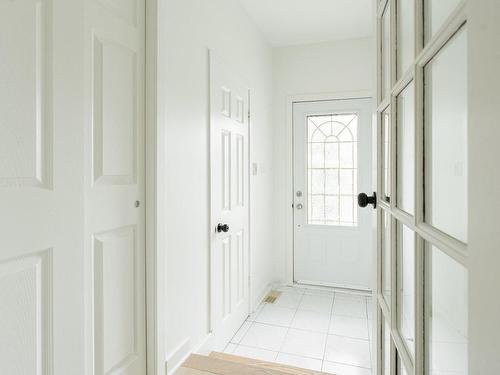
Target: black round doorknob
222,228
364,200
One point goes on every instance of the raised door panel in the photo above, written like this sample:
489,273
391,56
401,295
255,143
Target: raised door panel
226,170
239,267
125,9
25,95
240,170
117,301
226,276
25,316
114,114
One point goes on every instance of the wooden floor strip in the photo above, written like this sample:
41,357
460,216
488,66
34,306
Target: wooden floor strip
191,371
265,364
222,367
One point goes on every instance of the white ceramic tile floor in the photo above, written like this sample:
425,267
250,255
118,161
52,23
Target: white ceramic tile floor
315,329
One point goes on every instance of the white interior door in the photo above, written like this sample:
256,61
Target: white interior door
41,190
332,163
115,206
229,126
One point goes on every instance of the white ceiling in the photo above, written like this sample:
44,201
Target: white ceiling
290,22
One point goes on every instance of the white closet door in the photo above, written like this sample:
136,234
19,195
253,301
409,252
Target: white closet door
41,190
229,202
115,216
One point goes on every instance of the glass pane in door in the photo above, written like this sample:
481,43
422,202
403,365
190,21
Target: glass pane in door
386,257
406,35
446,167
401,367
405,173
445,314
332,169
406,286
386,51
386,155
386,348
436,13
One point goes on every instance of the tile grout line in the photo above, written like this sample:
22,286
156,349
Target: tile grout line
253,323
289,327
328,331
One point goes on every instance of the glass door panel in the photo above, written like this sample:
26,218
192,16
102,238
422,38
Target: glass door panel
436,13
401,367
446,138
405,35
405,159
445,314
386,51
386,155
406,286
386,348
386,258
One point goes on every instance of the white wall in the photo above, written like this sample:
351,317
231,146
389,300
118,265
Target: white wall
193,26
335,67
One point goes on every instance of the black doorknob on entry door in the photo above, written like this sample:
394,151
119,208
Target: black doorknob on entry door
364,200
222,228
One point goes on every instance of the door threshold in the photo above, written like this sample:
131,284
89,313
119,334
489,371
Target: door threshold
312,285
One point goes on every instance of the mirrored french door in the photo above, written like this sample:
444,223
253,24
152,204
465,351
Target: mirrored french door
422,322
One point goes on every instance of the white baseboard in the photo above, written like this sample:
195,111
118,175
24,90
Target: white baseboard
205,346
184,350
177,356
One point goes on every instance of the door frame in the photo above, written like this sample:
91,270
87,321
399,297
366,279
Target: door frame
155,145
288,197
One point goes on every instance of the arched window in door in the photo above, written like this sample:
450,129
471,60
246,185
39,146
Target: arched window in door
332,169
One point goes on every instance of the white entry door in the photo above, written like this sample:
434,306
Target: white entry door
332,163
115,206
229,126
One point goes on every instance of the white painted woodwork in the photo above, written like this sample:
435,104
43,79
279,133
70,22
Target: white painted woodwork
423,270
115,199
26,94
229,263
333,255
41,190
484,179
